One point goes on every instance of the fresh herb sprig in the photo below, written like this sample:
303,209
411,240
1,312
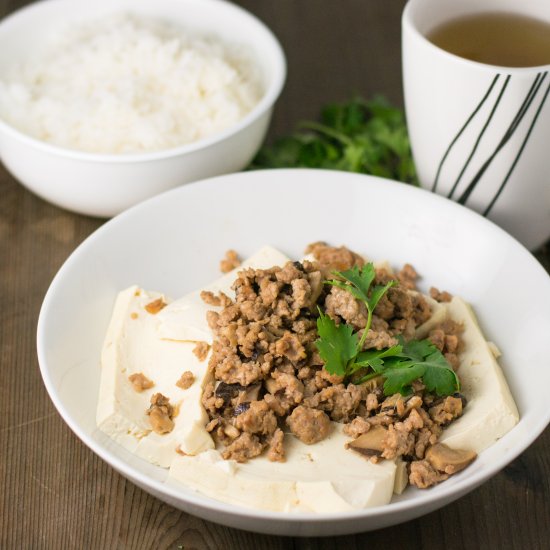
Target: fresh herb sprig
342,350
358,282
366,136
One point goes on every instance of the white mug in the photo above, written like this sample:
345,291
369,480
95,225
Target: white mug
480,134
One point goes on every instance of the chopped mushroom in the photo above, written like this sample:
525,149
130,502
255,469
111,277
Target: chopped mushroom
369,444
250,393
231,431
397,404
447,460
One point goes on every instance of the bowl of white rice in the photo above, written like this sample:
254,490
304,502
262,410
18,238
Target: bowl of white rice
106,103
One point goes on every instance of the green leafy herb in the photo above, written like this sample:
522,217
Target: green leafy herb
418,359
358,282
400,365
337,344
374,358
356,136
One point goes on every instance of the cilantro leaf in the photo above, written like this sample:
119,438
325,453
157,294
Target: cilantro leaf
377,292
337,344
375,358
439,376
359,281
400,365
419,359
416,349
400,378
366,136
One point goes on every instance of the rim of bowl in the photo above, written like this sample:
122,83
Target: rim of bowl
268,99
408,24
445,495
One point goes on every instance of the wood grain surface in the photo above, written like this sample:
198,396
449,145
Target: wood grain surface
56,494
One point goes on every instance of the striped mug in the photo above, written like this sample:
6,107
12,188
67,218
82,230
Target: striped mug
480,134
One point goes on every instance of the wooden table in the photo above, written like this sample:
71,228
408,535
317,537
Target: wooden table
55,493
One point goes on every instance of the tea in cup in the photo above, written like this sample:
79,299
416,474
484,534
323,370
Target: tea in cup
476,81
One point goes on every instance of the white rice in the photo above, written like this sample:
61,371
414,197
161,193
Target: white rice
126,84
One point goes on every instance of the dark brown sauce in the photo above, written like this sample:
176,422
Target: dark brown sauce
503,39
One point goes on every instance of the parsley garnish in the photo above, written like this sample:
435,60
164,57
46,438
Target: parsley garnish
342,350
363,136
337,345
358,282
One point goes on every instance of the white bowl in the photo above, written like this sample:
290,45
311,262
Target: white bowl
173,243
104,185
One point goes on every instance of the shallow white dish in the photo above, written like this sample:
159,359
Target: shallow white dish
106,184
173,243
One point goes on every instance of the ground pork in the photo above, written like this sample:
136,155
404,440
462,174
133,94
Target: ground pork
244,447
413,424
230,261
186,380
276,451
339,401
201,350
446,337
399,441
340,305
358,426
334,258
140,382
439,296
268,373
445,412
160,414
309,425
220,300
407,277
155,306
258,419
286,387
424,475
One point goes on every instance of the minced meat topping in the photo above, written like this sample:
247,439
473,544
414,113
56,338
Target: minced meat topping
155,306
201,350
160,414
140,382
230,261
269,378
186,380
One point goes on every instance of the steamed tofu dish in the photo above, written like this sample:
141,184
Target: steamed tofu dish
319,385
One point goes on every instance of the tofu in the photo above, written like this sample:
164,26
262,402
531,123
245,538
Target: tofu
132,345
160,346
185,319
491,411
324,477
